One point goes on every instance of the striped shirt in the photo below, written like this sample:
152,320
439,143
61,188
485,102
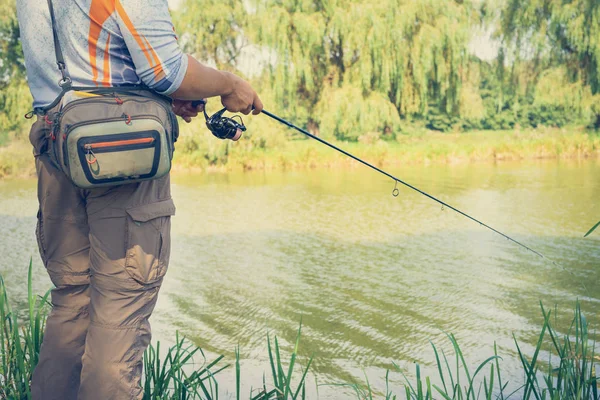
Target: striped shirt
104,43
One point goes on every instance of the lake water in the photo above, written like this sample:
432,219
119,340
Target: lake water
373,277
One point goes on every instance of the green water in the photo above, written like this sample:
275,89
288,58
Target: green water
373,277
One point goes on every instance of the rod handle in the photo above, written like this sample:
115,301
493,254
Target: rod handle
197,103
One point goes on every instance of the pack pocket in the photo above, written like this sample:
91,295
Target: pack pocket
148,241
110,158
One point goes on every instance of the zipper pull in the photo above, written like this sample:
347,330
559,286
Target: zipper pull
127,118
55,125
90,154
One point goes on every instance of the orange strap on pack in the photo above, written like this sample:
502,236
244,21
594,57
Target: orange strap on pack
129,142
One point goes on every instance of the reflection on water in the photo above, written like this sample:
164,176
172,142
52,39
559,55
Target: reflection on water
373,277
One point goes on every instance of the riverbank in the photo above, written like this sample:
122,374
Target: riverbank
561,366
198,150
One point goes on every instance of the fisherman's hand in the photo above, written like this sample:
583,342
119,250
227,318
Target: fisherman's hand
186,110
242,97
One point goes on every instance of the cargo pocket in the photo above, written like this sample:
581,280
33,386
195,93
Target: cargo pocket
148,241
39,234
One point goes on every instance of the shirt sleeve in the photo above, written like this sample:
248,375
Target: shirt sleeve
150,38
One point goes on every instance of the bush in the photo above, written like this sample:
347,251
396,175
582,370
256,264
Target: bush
441,121
500,121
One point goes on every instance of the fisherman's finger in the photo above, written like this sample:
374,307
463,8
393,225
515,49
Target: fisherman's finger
246,110
189,108
258,106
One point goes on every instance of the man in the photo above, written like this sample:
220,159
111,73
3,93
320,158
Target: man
100,246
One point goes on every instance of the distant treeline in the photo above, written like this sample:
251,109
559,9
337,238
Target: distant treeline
347,68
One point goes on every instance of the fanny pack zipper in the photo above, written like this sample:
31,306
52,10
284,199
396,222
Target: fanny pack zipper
117,143
70,128
109,100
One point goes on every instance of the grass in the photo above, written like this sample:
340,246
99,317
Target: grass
567,370
573,376
20,344
273,149
180,372
270,147
16,160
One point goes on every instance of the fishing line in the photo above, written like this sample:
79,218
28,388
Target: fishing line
228,128
396,191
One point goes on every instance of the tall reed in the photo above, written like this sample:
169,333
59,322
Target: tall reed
20,342
568,371
182,372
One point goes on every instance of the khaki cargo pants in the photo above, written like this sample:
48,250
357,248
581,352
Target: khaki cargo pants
106,251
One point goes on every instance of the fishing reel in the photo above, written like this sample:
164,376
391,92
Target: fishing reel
220,126
224,127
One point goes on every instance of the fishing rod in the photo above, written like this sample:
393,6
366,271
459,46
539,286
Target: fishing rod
396,192
229,128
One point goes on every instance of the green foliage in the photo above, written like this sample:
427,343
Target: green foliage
555,46
440,121
12,65
358,70
568,373
406,51
171,375
592,230
346,115
326,62
15,99
213,30
574,377
167,378
20,343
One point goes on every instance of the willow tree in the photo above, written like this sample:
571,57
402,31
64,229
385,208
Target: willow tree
559,41
213,30
14,95
411,54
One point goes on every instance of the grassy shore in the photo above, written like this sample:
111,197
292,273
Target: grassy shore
271,149
265,152
562,366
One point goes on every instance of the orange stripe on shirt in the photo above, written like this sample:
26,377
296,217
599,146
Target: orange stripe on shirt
100,11
158,69
147,49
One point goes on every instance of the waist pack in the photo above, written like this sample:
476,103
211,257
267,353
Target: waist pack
108,136
112,137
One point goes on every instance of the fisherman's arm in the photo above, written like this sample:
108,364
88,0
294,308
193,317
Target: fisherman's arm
201,81
163,67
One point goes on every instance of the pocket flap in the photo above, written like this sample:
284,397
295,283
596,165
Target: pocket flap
147,212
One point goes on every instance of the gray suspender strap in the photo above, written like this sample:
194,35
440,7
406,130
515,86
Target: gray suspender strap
65,82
